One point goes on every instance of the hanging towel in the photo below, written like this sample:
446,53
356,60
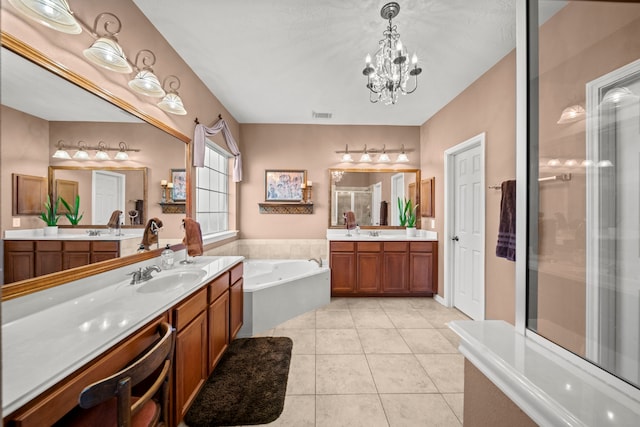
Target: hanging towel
114,221
192,237
384,212
350,220
149,237
506,247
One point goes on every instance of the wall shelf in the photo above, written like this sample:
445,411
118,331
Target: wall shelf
286,208
174,207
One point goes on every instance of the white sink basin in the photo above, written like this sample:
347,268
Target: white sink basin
172,281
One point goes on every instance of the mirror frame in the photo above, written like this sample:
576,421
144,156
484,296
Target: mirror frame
378,227
144,170
26,287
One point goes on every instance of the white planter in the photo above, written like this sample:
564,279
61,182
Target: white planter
51,230
412,232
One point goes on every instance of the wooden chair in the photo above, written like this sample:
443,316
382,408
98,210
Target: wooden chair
109,400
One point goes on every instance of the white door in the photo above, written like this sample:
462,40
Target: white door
467,237
107,195
376,198
397,190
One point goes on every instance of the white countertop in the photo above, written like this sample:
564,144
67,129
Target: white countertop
49,334
551,390
72,234
383,235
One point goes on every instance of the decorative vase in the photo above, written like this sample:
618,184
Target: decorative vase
51,230
412,232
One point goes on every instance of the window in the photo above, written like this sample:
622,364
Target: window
212,191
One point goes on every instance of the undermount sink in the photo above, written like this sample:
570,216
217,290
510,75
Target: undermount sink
170,281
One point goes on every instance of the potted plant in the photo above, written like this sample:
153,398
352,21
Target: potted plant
408,216
73,212
50,217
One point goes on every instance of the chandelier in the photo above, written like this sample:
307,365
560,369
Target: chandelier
391,72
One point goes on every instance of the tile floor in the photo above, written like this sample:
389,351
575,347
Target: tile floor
373,362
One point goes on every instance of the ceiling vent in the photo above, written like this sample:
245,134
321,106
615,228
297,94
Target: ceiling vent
321,115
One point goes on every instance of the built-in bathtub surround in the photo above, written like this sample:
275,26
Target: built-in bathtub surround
274,248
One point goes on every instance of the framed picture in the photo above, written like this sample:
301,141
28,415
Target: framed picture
284,185
179,179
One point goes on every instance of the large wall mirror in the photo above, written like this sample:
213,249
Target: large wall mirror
371,194
40,108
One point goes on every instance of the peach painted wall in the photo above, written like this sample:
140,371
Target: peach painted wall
310,147
487,105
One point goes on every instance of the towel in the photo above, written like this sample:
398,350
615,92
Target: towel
506,247
114,221
350,220
384,213
149,237
192,237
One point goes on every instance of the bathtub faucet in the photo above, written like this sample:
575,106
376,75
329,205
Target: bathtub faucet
317,260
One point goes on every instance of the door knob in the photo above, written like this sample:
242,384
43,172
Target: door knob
455,238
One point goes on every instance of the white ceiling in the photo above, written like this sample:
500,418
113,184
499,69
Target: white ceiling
276,61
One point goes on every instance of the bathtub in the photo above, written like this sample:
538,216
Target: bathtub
278,290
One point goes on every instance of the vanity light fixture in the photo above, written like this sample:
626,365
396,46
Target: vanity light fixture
346,157
101,154
54,14
366,158
105,51
171,103
145,81
402,157
616,95
384,157
61,153
571,114
81,154
122,154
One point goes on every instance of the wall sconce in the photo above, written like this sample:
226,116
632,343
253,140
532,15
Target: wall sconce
366,158
122,154
61,153
368,152
346,157
81,154
101,154
54,14
172,103
105,51
402,157
571,114
146,82
384,157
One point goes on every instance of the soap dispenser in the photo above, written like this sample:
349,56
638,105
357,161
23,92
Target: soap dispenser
166,258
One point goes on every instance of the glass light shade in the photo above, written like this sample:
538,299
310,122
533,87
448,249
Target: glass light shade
554,163
571,163
402,158
81,155
54,14
102,155
571,114
605,164
365,157
384,158
108,54
61,154
147,83
121,155
346,157
616,95
172,103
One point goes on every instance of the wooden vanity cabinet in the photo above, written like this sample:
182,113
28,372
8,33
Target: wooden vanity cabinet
75,254
369,267
423,267
236,303
219,319
48,257
396,267
19,260
342,260
104,250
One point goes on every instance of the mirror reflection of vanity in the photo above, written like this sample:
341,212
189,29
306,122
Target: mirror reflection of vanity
363,192
40,108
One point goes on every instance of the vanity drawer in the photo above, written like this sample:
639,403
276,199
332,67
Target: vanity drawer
369,246
236,273
396,246
218,287
18,245
342,246
189,310
48,245
104,246
83,246
422,246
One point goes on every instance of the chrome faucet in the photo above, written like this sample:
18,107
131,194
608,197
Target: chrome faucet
142,275
317,260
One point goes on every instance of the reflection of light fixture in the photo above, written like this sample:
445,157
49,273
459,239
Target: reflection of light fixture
402,157
365,156
605,164
81,154
554,163
388,77
101,154
61,153
105,51
571,114
145,82
571,163
384,157
586,163
336,176
122,154
616,95
346,157
54,14
171,103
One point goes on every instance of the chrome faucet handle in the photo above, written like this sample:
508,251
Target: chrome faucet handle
136,276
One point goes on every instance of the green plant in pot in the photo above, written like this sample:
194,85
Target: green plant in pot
73,212
407,215
50,216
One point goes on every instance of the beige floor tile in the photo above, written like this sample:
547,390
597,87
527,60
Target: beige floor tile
304,340
334,319
428,304
426,341
343,374
299,411
399,373
456,403
363,303
337,341
409,318
304,321
350,411
302,374
395,303
451,336
371,319
424,410
441,319
446,371
336,304
382,341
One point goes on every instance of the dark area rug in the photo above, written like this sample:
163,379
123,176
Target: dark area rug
247,387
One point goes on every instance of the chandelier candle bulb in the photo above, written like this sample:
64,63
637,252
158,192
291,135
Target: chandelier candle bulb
163,182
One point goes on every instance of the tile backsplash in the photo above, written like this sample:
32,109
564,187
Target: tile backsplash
273,248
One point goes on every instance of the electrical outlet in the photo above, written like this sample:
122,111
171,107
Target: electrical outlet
16,222
433,223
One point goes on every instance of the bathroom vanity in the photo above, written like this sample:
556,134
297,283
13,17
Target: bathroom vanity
58,341
383,264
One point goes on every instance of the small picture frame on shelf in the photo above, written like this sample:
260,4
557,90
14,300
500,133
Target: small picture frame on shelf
179,180
284,185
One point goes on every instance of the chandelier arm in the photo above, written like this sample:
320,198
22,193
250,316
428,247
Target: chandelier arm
415,78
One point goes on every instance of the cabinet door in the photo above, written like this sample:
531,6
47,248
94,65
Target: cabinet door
421,272
75,259
236,305
343,273
369,272
190,363
218,329
396,272
18,266
48,262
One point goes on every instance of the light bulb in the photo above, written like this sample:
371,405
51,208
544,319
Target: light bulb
414,59
399,46
368,59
